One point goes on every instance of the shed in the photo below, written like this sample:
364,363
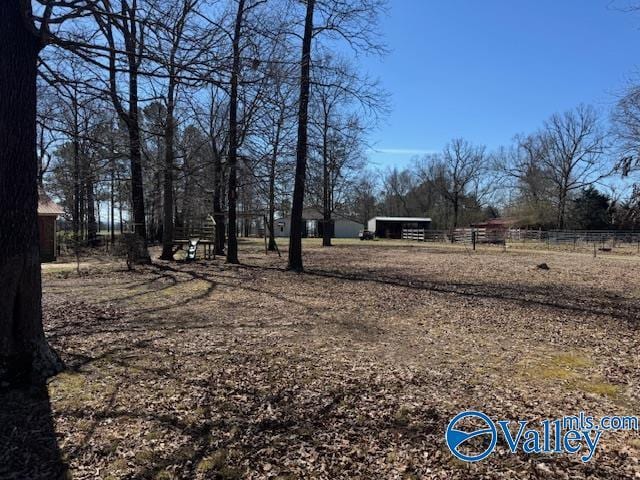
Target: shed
495,229
391,227
48,212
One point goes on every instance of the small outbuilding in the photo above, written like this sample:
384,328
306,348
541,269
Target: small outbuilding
391,227
494,230
48,212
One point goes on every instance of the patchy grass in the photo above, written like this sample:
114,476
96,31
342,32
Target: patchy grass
571,361
215,461
558,367
600,388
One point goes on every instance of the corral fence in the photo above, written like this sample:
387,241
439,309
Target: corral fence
600,240
459,235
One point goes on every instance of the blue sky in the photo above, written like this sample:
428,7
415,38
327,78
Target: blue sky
488,69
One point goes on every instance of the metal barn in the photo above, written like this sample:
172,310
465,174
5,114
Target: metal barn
391,227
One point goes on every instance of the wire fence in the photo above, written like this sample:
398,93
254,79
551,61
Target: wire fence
627,241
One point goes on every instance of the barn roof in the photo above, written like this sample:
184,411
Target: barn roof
402,219
312,213
46,206
495,222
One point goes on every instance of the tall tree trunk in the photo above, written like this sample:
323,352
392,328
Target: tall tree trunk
272,190
295,236
137,188
135,149
83,209
75,217
326,199
272,180
272,213
232,243
128,27
92,227
217,205
456,210
562,207
120,208
113,198
98,217
456,207
24,352
167,205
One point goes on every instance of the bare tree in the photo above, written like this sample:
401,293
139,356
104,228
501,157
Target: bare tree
295,238
364,197
47,136
573,150
124,31
272,140
626,122
522,173
460,168
244,53
216,122
352,22
337,131
397,186
232,246
178,49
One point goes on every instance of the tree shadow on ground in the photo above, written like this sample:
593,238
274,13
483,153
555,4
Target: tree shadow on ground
28,444
582,301
585,301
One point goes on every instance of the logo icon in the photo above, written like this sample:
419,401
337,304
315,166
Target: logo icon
459,441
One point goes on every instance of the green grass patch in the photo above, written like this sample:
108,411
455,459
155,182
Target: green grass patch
214,462
600,388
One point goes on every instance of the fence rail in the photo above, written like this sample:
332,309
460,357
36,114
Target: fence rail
602,239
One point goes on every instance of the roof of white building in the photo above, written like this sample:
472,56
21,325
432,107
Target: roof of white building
402,219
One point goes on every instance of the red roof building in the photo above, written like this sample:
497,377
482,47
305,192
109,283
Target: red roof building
495,224
494,230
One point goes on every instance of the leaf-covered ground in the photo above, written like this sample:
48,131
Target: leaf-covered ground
351,370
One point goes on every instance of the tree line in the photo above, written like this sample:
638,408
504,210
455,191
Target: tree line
568,174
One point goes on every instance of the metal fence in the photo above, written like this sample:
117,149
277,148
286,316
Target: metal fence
459,235
574,239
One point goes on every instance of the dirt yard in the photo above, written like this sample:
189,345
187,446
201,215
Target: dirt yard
351,370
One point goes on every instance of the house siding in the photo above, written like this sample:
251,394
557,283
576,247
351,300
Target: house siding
47,233
342,228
